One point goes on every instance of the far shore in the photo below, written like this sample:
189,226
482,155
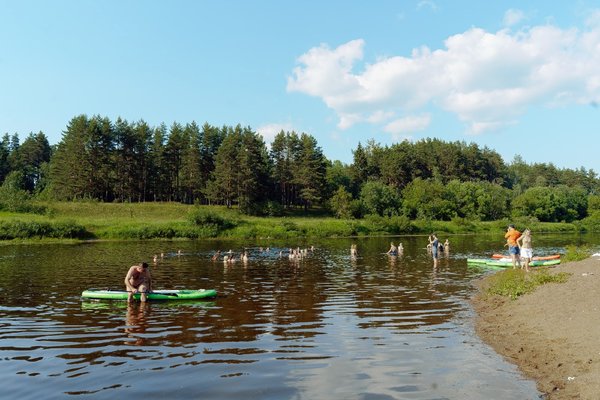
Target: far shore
552,334
55,220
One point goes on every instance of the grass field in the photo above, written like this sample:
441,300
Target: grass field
94,220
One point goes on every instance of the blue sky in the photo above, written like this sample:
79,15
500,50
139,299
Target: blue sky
521,77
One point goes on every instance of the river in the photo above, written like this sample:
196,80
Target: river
323,327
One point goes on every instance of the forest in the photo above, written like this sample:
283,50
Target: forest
131,162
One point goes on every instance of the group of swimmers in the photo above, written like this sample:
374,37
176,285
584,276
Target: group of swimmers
157,257
395,250
292,254
433,247
230,257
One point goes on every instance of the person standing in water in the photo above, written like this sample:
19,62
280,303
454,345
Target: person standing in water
525,249
138,280
393,251
353,250
511,237
434,243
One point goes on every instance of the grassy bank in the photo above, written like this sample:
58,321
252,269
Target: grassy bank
513,283
93,220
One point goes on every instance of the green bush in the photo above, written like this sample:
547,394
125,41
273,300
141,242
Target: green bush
329,228
69,230
388,225
10,230
162,231
204,218
272,209
513,283
576,253
19,201
592,222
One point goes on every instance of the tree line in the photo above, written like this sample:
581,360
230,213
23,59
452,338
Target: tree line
123,161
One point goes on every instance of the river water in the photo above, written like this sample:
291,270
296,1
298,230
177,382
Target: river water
323,327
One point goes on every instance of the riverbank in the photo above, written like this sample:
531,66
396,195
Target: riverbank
141,221
550,334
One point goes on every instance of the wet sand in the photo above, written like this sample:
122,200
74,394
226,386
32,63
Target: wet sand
553,334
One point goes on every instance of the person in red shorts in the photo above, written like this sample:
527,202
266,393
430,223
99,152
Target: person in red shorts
511,237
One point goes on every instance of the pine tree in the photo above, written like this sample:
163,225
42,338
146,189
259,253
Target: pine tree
191,176
125,173
174,149
252,172
157,171
70,170
4,155
141,157
212,138
30,159
99,149
285,150
224,186
309,173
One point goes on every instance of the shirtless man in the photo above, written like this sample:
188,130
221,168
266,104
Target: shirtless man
138,279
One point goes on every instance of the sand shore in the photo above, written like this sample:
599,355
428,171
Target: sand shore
553,334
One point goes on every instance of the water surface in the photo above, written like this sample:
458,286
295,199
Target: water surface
323,327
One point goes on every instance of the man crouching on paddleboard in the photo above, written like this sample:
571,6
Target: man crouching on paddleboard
138,279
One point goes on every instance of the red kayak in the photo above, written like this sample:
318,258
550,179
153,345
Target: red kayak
538,258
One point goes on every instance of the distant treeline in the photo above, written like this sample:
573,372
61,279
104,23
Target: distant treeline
98,159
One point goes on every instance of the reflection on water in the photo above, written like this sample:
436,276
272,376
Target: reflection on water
327,326
137,322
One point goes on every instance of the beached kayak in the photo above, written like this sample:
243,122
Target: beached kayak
536,258
478,260
484,266
507,262
107,294
502,262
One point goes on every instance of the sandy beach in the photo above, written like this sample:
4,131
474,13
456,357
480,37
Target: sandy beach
552,334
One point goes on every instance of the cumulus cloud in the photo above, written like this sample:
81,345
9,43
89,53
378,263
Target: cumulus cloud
487,79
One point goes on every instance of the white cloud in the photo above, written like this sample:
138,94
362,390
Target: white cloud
513,17
486,79
327,72
408,124
269,131
380,116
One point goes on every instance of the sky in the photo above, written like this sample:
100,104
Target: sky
519,77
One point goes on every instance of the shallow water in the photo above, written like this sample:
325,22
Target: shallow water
324,327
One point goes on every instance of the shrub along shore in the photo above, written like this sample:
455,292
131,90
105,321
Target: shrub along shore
135,221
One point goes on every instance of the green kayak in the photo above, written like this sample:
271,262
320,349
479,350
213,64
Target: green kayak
107,294
478,260
503,263
535,263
